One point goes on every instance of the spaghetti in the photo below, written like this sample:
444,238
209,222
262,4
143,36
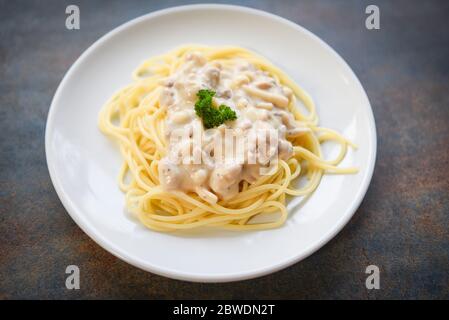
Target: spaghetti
136,117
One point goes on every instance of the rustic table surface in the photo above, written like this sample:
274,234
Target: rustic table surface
401,226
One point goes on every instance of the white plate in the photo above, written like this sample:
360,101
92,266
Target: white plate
84,164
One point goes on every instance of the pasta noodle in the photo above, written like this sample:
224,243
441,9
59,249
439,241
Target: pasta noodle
135,117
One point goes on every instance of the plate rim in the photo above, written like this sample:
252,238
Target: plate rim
176,274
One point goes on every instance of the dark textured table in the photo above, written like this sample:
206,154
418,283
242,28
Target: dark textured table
401,226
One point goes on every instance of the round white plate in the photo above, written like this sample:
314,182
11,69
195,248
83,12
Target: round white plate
84,164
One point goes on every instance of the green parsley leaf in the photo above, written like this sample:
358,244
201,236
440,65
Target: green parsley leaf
212,117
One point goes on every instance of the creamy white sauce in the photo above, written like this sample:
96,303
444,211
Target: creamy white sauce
259,101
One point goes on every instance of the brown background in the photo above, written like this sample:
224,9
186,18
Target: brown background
401,226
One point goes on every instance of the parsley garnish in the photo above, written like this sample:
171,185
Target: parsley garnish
212,117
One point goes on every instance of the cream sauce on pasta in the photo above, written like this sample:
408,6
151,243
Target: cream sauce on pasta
260,103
